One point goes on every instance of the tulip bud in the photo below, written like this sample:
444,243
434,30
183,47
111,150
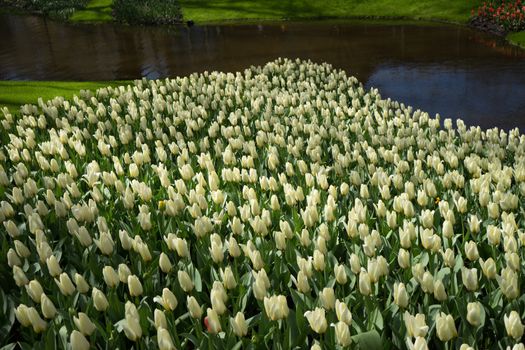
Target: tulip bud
340,274
319,263
19,276
276,307
99,300
134,286
474,313
342,334
365,287
125,240
489,268
439,291
445,327
105,243
34,289
110,276
448,230
193,307
513,325
470,278
48,308
160,319
131,324
185,281
342,312
449,258
493,235
427,282
22,315
78,341
465,347
228,279
416,325
471,251
213,323
239,325
165,263
327,298
419,344
355,265
12,258
39,325
168,300
400,295
84,324
22,250
82,285
164,339
317,320
403,258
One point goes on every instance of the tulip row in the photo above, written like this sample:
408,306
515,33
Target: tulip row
281,207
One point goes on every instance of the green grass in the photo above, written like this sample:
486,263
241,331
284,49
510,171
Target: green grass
95,11
206,11
517,38
13,94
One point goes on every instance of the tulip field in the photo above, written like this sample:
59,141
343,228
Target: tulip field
282,207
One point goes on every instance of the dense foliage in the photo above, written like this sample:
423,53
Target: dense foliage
57,9
281,207
147,11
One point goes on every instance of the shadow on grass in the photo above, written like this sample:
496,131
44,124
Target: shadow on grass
250,9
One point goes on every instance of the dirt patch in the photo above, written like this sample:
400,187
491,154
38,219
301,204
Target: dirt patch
486,25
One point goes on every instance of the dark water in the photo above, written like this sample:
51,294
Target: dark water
444,69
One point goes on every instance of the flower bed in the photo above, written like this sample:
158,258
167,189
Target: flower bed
281,207
510,15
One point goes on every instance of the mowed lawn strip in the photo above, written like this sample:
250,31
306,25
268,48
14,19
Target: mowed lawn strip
95,11
205,11
14,94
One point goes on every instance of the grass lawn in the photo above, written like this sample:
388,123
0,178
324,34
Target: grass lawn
204,11
95,11
517,38
13,94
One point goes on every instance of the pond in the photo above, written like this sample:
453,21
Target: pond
439,68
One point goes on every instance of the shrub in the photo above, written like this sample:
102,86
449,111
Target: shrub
147,11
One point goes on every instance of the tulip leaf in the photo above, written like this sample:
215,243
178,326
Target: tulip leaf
9,346
368,341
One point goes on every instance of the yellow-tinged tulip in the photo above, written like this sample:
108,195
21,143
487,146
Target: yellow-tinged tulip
400,295
78,341
160,319
131,324
445,327
194,308
239,325
48,308
164,339
513,325
99,300
134,286
342,334
474,313
416,325
213,323
317,320
168,300
470,278
343,313
276,307
34,289
84,324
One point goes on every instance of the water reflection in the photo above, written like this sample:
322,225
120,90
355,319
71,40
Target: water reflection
438,68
